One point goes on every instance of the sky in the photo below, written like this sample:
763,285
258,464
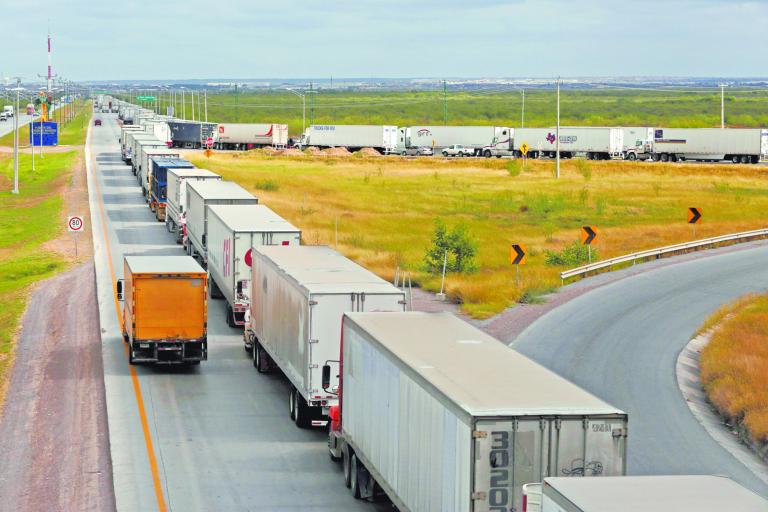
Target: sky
173,39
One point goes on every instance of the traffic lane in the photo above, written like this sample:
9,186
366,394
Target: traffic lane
621,342
221,431
7,126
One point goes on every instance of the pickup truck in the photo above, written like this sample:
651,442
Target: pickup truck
457,150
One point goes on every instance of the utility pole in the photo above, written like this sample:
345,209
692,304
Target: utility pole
237,104
205,97
311,105
183,105
18,89
445,103
193,104
522,121
557,133
722,105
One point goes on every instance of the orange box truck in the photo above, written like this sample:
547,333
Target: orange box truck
165,309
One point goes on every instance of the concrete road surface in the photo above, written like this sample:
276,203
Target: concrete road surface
621,342
211,438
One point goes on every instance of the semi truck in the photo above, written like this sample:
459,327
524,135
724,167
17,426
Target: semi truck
441,416
144,175
249,136
165,309
699,493
158,182
233,231
438,137
737,145
191,134
132,139
298,296
595,143
176,194
138,165
353,137
123,138
201,195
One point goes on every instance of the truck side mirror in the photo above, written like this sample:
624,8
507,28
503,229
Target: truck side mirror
326,377
119,289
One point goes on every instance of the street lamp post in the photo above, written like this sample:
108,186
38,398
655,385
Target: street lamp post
557,133
722,105
303,109
18,89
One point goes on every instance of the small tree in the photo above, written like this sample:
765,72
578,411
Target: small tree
459,245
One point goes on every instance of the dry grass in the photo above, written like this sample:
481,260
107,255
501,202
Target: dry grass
734,365
386,207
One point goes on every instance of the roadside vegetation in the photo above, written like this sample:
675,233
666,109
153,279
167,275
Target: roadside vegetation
579,107
71,133
30,223
387,210
734,364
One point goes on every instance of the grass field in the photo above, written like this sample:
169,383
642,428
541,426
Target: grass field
699,108
27,222
734,365
386,207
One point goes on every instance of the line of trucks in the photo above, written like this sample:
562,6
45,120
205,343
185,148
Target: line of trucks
737,145
422,408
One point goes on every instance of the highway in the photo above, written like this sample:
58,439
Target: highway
212,437
7,127
621,342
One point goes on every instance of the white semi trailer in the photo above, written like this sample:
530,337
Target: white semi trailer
143,174
443,417
176,207
123,139
737,145
594,143
248,136
233,231
439,137
298,296
352,137
201,195
681,493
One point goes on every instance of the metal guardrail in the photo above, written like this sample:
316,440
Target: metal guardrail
664,251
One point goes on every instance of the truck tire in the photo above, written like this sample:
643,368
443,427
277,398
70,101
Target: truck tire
445,154
260,358
231,317
346,465
487,153
301,411
354,481
664,157
745,159
403,154
292,403
631,157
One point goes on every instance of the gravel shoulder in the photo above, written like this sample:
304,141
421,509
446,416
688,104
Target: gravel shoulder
54,439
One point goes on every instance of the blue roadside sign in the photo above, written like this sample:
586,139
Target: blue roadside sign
48,132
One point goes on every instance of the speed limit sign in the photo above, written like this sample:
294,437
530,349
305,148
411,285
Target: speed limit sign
75,223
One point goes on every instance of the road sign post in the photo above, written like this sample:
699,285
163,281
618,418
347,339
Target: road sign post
694,217
524,151
588,237
518,256
75,225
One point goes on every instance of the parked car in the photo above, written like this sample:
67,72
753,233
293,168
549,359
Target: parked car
417,151
97,122
458,150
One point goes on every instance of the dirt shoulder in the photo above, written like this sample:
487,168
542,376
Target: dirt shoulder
54,439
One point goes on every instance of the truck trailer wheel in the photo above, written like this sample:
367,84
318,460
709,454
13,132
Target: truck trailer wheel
292,403
346,465
260,358
631,157
231,317
301,411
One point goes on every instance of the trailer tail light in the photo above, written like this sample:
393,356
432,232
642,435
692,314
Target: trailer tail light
286,242
525,503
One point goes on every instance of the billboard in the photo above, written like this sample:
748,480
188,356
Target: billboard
47,131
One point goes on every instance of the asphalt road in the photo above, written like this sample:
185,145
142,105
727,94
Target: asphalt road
621,342
8,125
220,432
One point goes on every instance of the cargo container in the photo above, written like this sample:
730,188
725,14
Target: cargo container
233,230
201,195
176,205
352,137
158,182
139,144
737,145
444,417
145,168
680,493
249,136
595,143
439,137
127,142
165,309
123,139
190,134
131,138
298,296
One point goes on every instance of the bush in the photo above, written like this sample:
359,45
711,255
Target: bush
573,255
266,185
584,169
513,168
458,243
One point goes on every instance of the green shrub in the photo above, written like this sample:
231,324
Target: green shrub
572,256
267,185
584,169
513,168
458,243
